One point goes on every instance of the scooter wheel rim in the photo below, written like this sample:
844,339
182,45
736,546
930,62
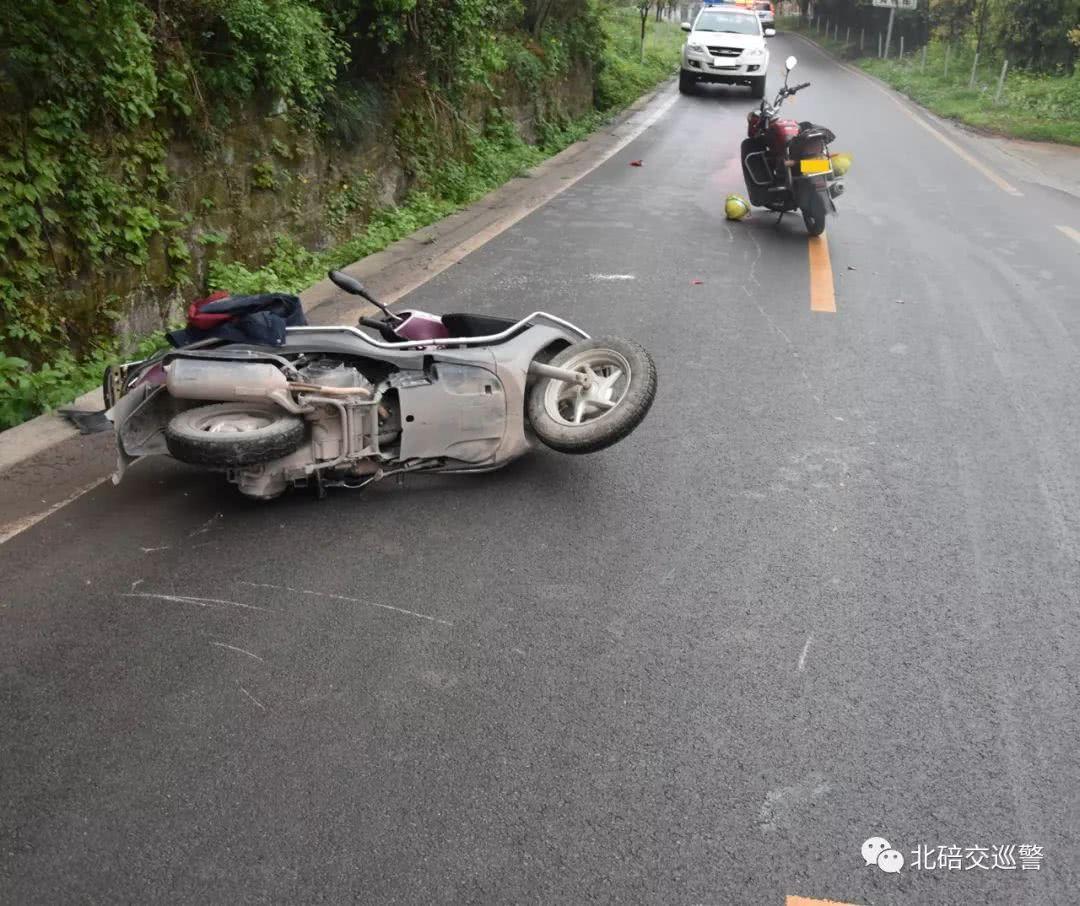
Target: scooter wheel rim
576,406
237,422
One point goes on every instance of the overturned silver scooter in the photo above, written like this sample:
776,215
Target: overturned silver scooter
339,407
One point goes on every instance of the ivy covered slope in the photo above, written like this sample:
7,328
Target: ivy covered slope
152,149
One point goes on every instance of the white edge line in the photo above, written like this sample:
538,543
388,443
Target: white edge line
1074,235
12,529
906,104
468,246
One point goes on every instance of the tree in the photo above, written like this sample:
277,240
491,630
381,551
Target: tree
1035,33
951,19
643,10
982,16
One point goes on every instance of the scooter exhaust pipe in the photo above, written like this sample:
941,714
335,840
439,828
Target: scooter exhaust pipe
194,379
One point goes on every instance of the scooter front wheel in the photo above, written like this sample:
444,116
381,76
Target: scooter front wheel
573,418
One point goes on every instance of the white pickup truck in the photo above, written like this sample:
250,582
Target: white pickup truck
726,44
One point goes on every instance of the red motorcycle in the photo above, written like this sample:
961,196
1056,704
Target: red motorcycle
786,164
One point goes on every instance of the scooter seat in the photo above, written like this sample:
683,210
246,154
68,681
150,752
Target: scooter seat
465,325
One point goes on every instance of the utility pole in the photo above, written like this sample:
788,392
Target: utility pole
888,35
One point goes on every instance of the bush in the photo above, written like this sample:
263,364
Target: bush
93,91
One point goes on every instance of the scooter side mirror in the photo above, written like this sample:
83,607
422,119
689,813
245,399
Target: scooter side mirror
354,286
349,284
686,26
790,63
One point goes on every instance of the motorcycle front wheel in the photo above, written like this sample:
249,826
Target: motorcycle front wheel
574,419
813,215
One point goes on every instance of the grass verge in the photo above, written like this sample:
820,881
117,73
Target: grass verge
1031,106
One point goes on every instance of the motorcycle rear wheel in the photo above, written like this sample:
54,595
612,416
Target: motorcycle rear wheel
813,215
573,419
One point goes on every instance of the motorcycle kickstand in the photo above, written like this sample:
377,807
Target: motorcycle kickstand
320,488
781,217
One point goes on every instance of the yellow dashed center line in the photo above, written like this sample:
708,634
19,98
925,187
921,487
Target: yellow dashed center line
822,292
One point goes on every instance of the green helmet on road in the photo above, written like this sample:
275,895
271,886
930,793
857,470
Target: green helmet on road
736,207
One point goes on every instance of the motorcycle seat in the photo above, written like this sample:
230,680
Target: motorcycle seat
811,140
812,130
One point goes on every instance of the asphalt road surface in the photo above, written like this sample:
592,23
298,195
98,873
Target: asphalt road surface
829,590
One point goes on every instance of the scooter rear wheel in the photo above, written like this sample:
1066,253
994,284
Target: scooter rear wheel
230,435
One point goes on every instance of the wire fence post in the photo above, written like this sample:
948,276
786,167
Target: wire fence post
1001,82
879,45
862,36
923,67
847,36
974,67
901,48
948,50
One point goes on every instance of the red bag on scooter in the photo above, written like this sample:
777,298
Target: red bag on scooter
201,320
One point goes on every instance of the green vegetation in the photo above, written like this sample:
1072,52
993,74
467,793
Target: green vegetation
495,155
93,93
1037,105
26,392
1032,106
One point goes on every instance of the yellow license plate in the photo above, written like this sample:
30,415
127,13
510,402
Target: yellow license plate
815,165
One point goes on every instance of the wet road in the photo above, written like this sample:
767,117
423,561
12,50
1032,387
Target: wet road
827,591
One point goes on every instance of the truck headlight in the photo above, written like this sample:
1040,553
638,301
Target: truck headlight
695,48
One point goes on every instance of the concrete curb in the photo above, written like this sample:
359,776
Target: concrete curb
399,268
39,434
